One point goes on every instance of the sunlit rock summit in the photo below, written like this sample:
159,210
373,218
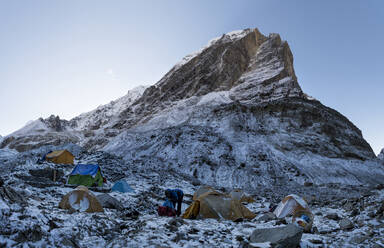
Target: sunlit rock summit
232,114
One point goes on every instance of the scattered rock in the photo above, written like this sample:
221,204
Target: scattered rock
8,194
281,222
239,238
176,222
332,216
308,184
33,234
359,239
346,224
179,236
380,186
130,214
349,206
315,241
267,217
354,212
380,211
193,230
49,173
288,236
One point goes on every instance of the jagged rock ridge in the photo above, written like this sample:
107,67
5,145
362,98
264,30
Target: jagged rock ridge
232,114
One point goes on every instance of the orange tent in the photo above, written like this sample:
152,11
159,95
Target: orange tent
60,157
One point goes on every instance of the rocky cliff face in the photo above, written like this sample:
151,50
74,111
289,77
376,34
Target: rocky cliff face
232,114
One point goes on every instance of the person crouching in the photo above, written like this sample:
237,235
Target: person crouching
175,196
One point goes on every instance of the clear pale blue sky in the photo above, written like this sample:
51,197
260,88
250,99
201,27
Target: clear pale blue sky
68,57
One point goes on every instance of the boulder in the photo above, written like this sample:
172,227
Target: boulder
108,201
10,195
49,173
380,211
288,236
346,224
267,217
332,216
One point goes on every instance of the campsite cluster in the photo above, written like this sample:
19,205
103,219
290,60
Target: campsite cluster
38,208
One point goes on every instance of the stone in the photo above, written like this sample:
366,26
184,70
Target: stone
346,224
179,236
288,236
108,201
354,212
176,221
8,194
308,184
315,241
380,186
267,217
380,211
281,222
332,216
349,206
33,234
48,173
359,239
371,214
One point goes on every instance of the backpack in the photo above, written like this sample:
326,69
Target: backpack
166,211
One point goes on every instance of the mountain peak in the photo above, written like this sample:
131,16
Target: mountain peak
247,63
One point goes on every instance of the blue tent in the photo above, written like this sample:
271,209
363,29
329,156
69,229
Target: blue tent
85,169
86,174
122,186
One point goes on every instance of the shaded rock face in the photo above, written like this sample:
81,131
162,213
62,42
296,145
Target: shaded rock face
218,67
232,110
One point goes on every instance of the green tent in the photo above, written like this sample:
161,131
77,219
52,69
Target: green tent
86,174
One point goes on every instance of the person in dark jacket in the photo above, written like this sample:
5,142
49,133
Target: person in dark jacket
175,196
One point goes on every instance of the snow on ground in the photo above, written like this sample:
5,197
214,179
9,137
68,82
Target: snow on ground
39,222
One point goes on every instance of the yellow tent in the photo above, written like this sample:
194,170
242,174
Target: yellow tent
60,157
209,203
81,200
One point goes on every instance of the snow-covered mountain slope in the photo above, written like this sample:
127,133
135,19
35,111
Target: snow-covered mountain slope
55,131
103,116
232,113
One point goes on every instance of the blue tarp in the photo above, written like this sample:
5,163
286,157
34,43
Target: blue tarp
122,186
85,169
168,203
